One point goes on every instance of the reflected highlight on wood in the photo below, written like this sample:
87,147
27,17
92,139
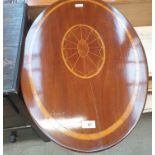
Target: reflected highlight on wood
90,67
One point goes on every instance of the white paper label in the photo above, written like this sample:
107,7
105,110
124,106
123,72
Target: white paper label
88,124
79,5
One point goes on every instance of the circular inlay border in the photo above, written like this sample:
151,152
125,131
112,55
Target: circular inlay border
89,53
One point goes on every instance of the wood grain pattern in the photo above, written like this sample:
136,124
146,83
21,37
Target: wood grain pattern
61,102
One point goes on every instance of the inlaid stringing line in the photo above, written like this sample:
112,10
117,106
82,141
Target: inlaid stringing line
72,55
92,61
100,51
90,31
69,48
81,32
70,41
75,63
95,54
93,41
95,47
84,65
74,36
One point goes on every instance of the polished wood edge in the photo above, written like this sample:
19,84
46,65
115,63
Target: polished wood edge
49,2
122,118
118,124
145,35
128,9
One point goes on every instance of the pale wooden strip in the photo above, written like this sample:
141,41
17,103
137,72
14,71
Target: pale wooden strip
148,105
150,85
145,35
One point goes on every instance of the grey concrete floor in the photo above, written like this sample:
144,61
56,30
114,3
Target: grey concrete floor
139,142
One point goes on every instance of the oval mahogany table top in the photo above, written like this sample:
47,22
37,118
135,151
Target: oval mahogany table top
84,74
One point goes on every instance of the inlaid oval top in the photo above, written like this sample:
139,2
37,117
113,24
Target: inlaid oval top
84,74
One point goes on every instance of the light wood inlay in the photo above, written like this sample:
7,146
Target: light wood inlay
84,57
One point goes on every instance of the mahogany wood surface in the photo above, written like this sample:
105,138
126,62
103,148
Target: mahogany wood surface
49,2
130,8
83,62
